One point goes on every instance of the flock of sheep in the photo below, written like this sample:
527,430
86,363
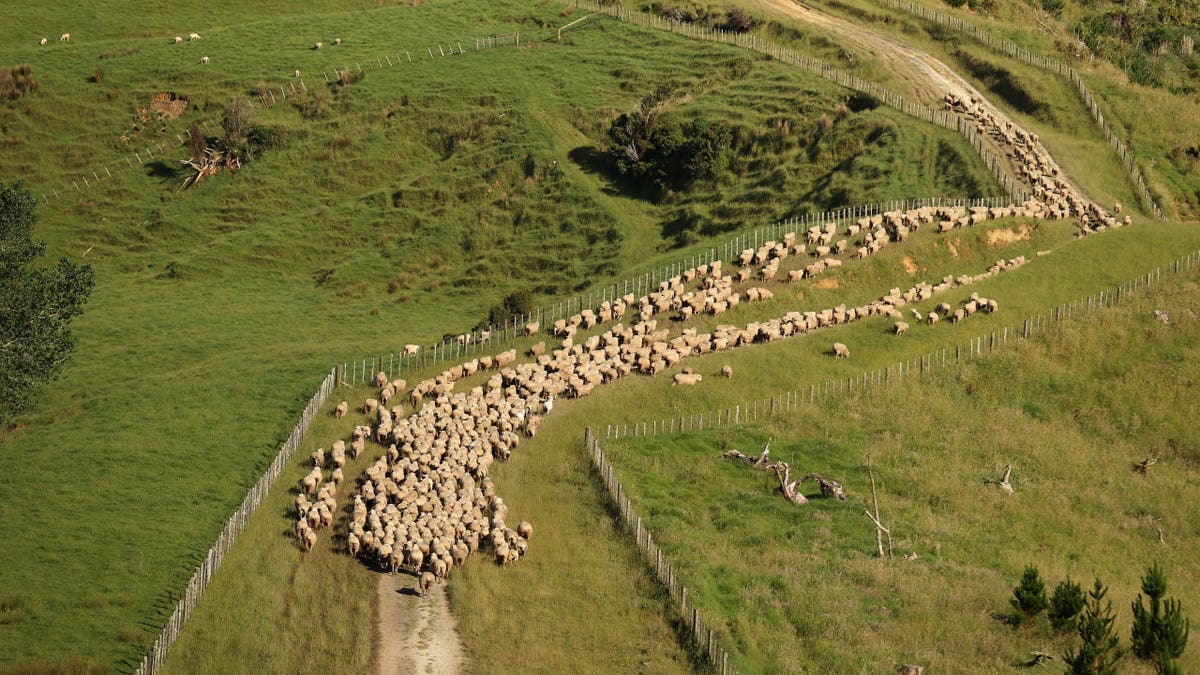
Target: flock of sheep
1053,196
428,502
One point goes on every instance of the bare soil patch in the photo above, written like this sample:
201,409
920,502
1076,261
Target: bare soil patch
414,634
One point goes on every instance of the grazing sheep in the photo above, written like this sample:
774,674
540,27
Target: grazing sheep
43,42
203,60
688,379
318,45
176,40
318,457
193,37
525,530
341,409
727,370
370,405
532,328
840,351
931,318
66,37
337,41
381,379
296,73
901,328
410,349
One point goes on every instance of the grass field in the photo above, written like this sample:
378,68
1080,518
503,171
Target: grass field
1071,410
419,195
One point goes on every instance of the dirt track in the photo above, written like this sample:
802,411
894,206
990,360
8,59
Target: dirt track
414,634
924,75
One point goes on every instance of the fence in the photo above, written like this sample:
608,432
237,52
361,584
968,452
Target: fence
1046,63
704,638
267,98
789,401
157,654
967,128
363,369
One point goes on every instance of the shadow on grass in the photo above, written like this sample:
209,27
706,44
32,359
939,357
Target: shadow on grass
164,172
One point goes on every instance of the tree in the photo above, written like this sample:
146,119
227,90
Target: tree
1100,649
1160,633
36,305
1066,603
1029,596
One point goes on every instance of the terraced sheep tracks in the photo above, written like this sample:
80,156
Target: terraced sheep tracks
414,634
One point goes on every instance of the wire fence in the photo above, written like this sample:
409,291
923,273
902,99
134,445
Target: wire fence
137,160
1017,190
789,401
481,341
702,636
154,658
1046,63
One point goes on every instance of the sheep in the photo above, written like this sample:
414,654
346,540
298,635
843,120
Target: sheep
341,409
337,41
310,540
525,530
193,37
318,457
370,405
410,349
381,379
318,45
311,481
203,60
427,581
43,42
901,328
531,328
840,351
176,40
688,379
931,318
65,37
352,544
727,370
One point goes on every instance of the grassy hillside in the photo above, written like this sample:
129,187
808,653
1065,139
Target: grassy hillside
397,209
1071,410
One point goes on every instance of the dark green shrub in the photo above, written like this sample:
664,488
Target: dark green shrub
1066,603
1029,596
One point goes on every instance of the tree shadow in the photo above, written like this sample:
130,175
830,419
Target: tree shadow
164,172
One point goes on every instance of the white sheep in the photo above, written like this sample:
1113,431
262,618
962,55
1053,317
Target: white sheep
840,351
727,370
318,45
688,379
176,40
65,37
296,73
43,42
411,349
203,59
341,409
337,41
901,328
193,37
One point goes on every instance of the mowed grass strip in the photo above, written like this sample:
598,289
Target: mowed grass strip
1072,410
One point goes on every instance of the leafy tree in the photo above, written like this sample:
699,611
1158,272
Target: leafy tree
515,303
1029,596
1100,649
1066,603
1160,633
36,305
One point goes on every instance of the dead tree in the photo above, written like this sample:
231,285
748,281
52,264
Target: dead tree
1039,657
1143,467
783,471
880,530
1002,482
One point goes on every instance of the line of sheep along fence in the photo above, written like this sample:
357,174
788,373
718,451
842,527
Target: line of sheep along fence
1017,191
156,656
1045,63
363,369
790,401
139,158
704,639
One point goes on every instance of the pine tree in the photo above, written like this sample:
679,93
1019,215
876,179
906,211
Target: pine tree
1029,596
1066,603
1160,633
1100,649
